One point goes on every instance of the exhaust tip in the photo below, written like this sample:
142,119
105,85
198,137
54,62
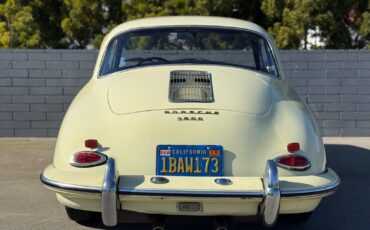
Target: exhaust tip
158,228
159,223
221,228
221,223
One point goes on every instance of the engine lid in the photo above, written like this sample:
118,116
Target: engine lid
148,89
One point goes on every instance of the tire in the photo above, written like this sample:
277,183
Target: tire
82,216
296,218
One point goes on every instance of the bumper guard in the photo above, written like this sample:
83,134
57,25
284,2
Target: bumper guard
269,208
109,201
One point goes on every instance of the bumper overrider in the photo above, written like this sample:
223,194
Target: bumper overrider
270,196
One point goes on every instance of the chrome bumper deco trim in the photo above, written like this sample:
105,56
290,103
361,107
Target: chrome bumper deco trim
69,187
185,193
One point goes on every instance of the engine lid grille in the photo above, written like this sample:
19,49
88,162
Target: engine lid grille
190,86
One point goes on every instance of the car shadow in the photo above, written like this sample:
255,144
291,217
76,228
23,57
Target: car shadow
348,208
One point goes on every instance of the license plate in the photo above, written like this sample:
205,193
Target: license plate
190,160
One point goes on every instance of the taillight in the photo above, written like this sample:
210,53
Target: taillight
87,159
293,162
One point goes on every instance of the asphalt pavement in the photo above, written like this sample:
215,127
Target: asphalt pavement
26,204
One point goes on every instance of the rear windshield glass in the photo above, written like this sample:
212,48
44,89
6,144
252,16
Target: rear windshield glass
188,45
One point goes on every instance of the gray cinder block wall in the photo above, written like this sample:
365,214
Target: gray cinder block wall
36,87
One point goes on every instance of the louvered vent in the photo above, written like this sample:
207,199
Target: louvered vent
190,86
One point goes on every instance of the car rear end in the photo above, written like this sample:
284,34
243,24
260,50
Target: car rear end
187,158
169,134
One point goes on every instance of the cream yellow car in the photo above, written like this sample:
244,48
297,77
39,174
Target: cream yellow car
189,116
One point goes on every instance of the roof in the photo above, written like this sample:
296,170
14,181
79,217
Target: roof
187,21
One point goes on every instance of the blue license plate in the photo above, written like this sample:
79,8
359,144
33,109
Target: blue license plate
190,160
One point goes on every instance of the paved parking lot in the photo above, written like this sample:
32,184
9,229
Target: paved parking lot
26,204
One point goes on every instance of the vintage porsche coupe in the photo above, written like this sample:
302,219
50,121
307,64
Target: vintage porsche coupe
189,116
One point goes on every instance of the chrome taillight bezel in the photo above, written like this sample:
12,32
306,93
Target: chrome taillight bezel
103,159
293,168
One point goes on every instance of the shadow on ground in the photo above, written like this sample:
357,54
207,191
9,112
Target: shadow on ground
348,208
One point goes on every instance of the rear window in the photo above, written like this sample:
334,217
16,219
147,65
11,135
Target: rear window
188,45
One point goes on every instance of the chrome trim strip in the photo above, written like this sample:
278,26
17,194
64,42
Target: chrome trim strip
188,193
109,194
326,190
269,208
317,191
69,187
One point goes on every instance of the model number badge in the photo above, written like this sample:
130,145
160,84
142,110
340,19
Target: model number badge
191,115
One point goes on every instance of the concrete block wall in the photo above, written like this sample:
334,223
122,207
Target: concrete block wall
36,87
336,85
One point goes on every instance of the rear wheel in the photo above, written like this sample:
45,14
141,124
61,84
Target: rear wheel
296,218
82,216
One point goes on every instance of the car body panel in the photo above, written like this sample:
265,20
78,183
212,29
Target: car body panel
249,88
125,133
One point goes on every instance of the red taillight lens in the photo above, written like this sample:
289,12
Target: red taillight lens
293,147
91,143
87,158
293,162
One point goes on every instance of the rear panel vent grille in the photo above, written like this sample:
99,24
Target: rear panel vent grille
190,86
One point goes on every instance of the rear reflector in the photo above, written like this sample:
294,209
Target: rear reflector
87,159
91,143
293,147
293,162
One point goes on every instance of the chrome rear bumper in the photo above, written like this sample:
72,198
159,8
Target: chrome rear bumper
268,210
